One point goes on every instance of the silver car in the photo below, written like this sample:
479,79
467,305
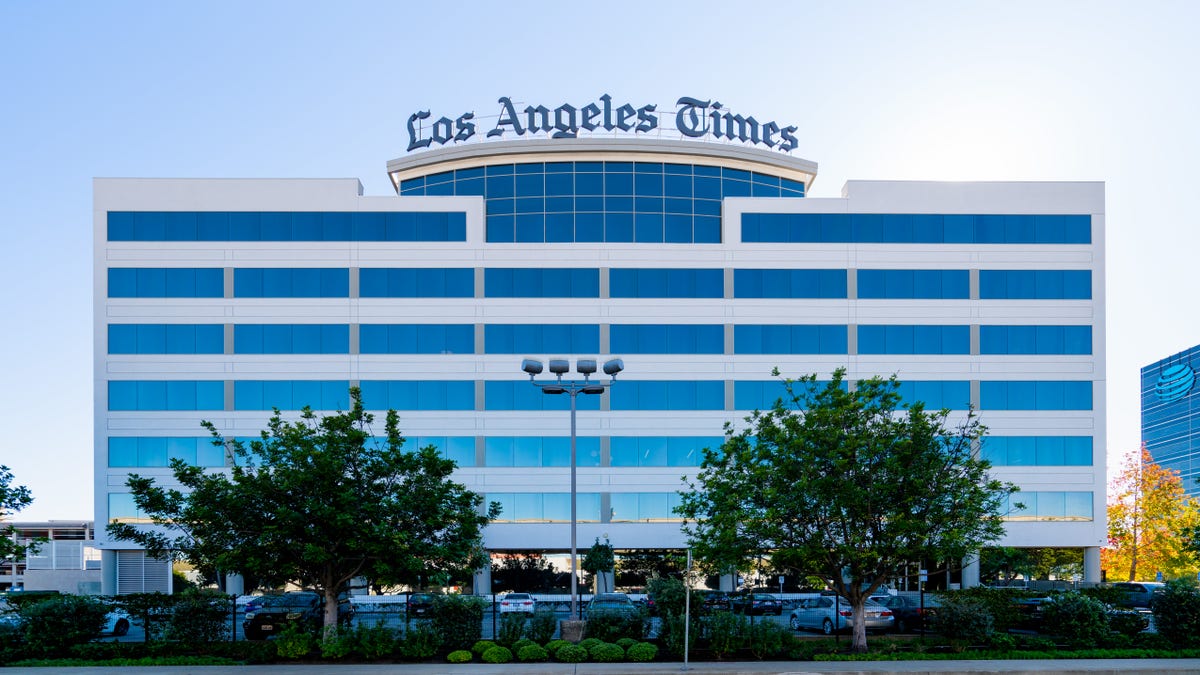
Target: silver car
828,613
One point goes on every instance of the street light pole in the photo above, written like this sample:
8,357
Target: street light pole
573,388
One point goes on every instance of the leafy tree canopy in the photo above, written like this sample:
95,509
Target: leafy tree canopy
12,500
599,558
1149,517
846,484
316,502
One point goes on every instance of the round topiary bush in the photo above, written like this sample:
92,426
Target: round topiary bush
532,654
554,645
570,653
497,655
482,646
459,656
521,644
588,643
607,652
626,643
641,652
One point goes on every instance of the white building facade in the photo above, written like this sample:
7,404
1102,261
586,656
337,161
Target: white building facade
702,265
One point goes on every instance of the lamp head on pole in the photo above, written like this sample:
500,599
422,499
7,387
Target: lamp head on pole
532,367
613,366
560,367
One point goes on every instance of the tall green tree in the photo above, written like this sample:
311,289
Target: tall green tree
1151,522
12,499
846,484
317,502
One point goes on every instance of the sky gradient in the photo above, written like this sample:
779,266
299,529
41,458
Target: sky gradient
1095,91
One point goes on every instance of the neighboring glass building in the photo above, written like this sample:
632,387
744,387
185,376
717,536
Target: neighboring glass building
1171,415
703,265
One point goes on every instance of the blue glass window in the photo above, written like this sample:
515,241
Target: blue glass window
666,283
936,394
1035,339
545,507
418,394
660,450
122,509
668,395
804,339
285,338
1047,506
902,228
667,339
286,226
291,394
783,283
166,395
541,338
169,282
431,282
1037,450
301,282
126,451
521,395
1035,284
460,449
416,338
159,338
540,451
550,282
914,284
1035,395
875,339
644,507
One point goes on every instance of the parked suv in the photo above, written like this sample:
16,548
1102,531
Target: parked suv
755,603
304,609
1139,593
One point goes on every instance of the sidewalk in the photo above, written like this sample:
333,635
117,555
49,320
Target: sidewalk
1068,667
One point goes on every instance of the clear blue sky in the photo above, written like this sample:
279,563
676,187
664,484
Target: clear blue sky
880,90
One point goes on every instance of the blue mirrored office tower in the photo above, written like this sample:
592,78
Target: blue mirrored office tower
1171,415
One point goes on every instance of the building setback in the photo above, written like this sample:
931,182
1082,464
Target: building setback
703,265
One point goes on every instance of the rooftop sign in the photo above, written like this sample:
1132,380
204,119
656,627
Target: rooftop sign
693,118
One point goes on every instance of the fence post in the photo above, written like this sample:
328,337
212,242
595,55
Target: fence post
233,614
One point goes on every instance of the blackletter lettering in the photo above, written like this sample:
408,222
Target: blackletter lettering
413,134
507,116
466,128
689,120
442,130
769,129
564,122
789,141
590,112
532,123
647,120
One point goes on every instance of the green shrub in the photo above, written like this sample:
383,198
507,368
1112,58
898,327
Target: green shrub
497,655
1177,613
523,642
458,620
1002,641
337,645
368,642
998,602
482,646
532,653
294,643
151,611
607,652
589,642
768,639
542,625
626,643
671,632
570,653
641,652
51,625
1109,595
421,641
963,620
1127,622
554,645
670,595
512,626
726,632
459,656
1079,620
199,616
1151,641
612,626
1040,644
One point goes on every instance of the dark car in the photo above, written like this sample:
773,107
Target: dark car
1139,593
420,604
755,603
716,601
612,603
304,609
1030,613
910,614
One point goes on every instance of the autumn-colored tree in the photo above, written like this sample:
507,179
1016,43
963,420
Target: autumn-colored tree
1148,516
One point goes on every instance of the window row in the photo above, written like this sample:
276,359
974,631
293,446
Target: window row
520,395
1037,450
555,507
158,451
585,339
1048,506
286,226
609,227
905,228
585,283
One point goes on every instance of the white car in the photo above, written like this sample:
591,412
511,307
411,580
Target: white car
116,623
518,602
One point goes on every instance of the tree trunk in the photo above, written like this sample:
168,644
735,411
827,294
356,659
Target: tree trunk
331,610
858,644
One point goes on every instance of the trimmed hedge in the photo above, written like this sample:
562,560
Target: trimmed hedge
459,656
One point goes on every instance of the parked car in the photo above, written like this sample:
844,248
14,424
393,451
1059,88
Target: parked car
1139,593
907,611
755,603
716,601
305,609
420,604
518,602
116,623
1030,613
615,603
828,613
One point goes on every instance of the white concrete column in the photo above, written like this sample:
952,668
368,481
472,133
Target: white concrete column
482,584
728,583
1091,564
604,582
970,571
108,572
